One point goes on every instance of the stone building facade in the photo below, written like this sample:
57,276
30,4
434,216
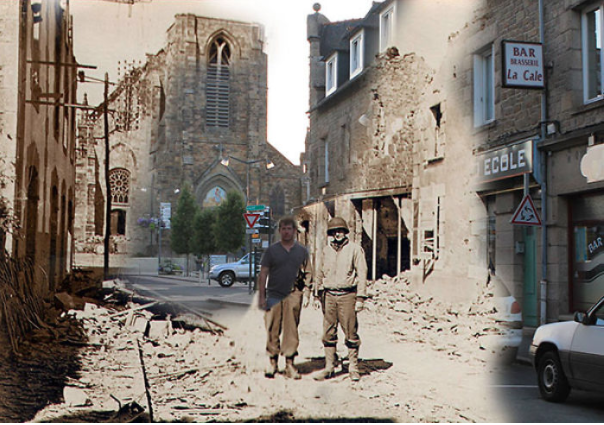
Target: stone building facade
199,101
37,136
556,268
383,151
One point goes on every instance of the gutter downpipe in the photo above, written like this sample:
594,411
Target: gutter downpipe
543,165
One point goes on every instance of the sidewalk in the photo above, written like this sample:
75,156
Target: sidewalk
525,345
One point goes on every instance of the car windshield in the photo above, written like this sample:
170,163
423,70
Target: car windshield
597,313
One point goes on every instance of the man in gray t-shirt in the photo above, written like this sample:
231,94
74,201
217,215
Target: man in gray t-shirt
284,279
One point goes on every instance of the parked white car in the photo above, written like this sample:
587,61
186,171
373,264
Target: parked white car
228,273
570,354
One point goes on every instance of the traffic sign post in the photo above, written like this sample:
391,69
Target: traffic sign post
526,214
255,208
251,219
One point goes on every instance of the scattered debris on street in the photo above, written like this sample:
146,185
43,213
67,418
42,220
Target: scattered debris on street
415,349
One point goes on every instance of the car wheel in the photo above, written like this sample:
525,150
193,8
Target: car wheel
553,384
226,279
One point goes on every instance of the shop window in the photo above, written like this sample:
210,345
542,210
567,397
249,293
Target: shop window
592,53
356,54
119,180
484,87
588,251
331,74
218,84
386,28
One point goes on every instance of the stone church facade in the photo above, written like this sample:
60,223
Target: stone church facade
199,101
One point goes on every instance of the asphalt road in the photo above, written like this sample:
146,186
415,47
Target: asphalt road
209,299
515,386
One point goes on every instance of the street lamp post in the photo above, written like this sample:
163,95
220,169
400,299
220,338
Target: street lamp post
268,164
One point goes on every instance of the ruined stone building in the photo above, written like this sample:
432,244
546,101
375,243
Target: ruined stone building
512,108
381,150
37,135
536,119
199,101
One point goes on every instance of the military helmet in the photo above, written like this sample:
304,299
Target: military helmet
337,223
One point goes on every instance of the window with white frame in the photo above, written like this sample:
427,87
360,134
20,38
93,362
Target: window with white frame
331,74
356,54
386,28
484,87
592,53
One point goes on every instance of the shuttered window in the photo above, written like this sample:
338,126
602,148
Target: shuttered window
218,84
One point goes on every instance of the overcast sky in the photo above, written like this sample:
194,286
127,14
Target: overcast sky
106,32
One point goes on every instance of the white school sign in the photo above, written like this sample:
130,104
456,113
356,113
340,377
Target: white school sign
506,162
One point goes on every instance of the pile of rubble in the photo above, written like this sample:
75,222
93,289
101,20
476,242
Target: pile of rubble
464,330
138,365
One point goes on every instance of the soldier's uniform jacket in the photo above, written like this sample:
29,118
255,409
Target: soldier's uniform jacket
343,270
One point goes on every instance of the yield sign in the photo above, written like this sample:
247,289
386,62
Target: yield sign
526,214
251,219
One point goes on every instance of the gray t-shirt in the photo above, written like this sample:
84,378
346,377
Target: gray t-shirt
283,268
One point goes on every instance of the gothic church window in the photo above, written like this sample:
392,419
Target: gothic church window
119,180
218,86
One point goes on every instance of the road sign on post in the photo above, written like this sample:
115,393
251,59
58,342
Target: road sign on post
255,208
526,214
251,219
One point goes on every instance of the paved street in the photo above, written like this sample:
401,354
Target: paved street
516,389
195,295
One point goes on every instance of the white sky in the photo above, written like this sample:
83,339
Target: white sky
106,32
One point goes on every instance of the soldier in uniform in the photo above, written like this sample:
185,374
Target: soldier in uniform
342,288
285,265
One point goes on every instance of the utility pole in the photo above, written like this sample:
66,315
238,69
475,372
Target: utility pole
107,182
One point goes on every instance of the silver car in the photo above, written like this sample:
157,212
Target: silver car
226,274
570,354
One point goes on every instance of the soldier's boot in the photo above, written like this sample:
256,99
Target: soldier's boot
290,370
330,361
353,364
273,367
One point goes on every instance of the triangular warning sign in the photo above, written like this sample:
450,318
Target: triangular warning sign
526,214
251,219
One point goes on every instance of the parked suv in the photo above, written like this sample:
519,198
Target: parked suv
570,354
227,274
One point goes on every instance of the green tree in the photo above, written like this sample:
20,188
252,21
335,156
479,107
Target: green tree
229,227
204,243
181,238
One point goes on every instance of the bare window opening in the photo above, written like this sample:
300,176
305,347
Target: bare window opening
436,111
118,222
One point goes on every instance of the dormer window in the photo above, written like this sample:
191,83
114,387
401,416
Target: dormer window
386,28
356,54
331,74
